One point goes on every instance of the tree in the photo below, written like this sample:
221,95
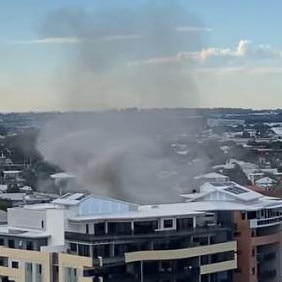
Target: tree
237,175
5,204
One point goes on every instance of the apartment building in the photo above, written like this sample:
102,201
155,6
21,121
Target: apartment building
257,223
90,238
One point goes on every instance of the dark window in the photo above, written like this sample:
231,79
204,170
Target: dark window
243,216
184,223
73,247
15,264
87,228
168,223
145,227
253,252
119,228
42,223
237,234
2,242
29,245
253,270
39,268
101,250
252,215
83,250
99,228
11,243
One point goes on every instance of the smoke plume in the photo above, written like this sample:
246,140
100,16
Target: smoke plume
120,155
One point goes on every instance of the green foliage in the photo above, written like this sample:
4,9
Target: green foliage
13,188
5,204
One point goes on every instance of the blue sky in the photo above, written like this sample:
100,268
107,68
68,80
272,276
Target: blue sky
231,50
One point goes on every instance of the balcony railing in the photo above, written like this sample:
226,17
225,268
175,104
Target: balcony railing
256,223
92,238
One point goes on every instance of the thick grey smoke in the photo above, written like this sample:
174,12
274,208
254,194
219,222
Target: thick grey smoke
123,56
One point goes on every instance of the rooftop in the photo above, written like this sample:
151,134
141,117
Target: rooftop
61,175
211,175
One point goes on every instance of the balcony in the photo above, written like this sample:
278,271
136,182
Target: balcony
264,222
92,238
147,275
191,275
265,240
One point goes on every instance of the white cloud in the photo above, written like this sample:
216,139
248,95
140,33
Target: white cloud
244,49
48,40
192,29
245,58
73,40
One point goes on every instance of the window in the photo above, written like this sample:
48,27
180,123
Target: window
29,245
99,228
29,267
11,243
184,223
1,242
253,252
15,264
83,250
73,247
237,234
168,223
87,228
252,215
243,215
42,223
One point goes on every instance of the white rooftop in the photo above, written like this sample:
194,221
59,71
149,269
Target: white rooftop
61,175
265,180
230,196
277,130
145,212
12,171
211,175
24,233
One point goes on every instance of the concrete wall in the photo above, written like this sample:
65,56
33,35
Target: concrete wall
23,257
25,218
55,226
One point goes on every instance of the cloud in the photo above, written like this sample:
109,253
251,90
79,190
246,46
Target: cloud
245,58
244,49
239,70
48,40
192,29
74,40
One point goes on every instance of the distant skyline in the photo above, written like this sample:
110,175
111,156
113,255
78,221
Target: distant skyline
230,52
